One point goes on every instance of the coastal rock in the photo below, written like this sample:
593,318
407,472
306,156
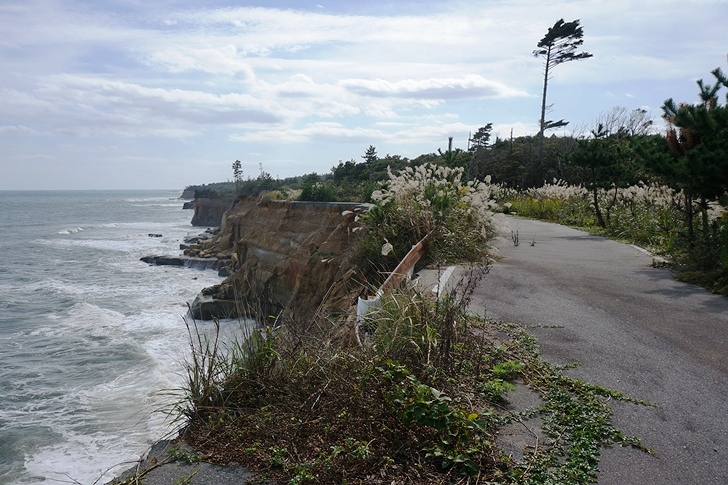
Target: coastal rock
289,256
188,193
198,238
201,263
209,212
205,307
188,205
189,262
163,260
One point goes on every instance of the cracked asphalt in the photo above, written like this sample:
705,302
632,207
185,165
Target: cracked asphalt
633,328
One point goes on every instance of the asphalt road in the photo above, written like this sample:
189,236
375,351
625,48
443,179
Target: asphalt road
633,328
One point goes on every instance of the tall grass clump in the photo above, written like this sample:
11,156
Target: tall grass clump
557,202
650,215
458,215
219,361
318,407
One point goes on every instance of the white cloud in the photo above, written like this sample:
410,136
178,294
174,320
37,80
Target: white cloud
401,74
17,130
469,86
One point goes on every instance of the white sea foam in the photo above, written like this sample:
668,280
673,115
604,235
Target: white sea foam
119,413
91,336
153,199
71,231
177,204
126,244
64,463
139,225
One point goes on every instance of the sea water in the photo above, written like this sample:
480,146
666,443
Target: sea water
92,340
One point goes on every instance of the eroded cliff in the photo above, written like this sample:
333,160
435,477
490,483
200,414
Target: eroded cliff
289,256
209,212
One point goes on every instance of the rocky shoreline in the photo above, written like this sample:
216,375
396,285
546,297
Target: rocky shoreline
172,461
292,256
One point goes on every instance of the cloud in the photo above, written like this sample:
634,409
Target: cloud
80,105
307,83
470,86
17,130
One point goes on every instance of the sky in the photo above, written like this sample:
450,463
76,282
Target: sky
142,94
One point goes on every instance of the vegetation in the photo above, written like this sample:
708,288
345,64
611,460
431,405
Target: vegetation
430,200
558,46
680,214
420,400
418,390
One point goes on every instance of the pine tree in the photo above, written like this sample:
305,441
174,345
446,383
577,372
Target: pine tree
694,154
238,175
559,45
370,156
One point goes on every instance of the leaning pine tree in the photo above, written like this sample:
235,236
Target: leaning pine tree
559,45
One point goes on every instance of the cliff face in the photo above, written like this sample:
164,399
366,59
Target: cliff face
286,255
209,212
188,193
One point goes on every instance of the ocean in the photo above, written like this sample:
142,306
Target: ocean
92,340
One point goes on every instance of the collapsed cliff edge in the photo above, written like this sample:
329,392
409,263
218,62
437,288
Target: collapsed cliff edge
284,257
209,212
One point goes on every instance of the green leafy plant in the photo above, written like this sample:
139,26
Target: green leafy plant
462,432
418,397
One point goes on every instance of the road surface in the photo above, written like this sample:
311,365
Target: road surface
635,329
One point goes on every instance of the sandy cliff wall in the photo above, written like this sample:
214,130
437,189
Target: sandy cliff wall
290,255
209,212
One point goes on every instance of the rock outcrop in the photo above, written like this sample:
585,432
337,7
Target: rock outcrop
187,261
286,256
188,193
209,212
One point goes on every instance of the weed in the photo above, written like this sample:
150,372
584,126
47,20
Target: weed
496,389
184,455
507,370
419,400
576,416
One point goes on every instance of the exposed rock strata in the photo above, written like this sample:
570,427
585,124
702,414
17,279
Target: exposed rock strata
291,256
209,212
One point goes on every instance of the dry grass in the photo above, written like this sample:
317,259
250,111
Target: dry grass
308,404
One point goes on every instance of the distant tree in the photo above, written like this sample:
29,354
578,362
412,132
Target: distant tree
693,156
559,45
619,121
450,157
264,182
316,189
237,174
370,156
481,137
601,156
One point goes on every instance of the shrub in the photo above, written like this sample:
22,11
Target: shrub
430,199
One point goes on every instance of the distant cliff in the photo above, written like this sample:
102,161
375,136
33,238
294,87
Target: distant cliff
188,193
291,256
209,212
